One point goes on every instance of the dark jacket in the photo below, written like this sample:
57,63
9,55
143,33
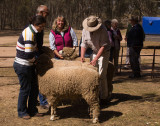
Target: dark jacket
135,36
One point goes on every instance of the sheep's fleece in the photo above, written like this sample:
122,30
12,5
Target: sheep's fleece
62,79
68,80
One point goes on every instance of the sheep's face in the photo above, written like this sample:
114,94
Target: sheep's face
69,53
44,63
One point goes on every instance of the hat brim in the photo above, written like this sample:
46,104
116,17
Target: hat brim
91,29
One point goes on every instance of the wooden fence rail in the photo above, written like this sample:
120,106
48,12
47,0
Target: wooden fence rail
153,61
121,56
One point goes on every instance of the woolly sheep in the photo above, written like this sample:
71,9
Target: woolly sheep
45,63
70,82
70,54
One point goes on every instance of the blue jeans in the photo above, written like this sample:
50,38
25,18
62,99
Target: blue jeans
42,99
28,89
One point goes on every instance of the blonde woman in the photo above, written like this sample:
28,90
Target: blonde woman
62,35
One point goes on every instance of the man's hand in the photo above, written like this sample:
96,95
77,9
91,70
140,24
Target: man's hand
93,62
82,59
32,60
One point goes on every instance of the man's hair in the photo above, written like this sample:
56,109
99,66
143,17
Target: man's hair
41,8
37,20
107,22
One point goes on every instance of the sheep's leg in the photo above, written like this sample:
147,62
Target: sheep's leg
95,112
94,108
53,113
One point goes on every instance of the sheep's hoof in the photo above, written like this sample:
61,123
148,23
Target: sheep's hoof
95,120
54,117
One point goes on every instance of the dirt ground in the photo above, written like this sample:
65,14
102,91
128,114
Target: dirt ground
135,102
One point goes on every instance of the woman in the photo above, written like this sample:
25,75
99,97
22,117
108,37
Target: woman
25,69
117,38
62,35
107,23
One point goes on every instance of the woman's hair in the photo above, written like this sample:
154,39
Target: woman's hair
37,20
66,24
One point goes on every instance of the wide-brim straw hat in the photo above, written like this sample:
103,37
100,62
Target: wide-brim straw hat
92,23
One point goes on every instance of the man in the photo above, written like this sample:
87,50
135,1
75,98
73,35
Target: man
95,36
42,10
127,53
135,40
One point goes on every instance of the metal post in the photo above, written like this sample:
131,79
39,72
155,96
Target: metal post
153,64
121,59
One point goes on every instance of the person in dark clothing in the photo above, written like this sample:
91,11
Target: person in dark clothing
117,39
135,40
43,11
107,23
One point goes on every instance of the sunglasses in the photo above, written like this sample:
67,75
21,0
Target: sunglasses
45,12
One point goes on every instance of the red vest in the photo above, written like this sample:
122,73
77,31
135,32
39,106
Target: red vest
65,41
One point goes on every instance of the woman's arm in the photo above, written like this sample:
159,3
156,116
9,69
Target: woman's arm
53,46
57,53
52,41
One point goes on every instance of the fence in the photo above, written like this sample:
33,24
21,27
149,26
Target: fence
153,59
121,56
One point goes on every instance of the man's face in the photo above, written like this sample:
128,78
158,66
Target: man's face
40,27
44,12
114,25
132,22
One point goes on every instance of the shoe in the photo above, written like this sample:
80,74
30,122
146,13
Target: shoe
126,67
138,76
38,115
45,106
135,76
26,117
131,76
103,102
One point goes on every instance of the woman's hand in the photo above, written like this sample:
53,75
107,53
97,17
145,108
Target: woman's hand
60,56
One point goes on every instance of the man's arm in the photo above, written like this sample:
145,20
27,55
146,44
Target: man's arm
100,51
83,50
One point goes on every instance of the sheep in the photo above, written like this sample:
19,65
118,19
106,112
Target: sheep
70,54
72,84
60,82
